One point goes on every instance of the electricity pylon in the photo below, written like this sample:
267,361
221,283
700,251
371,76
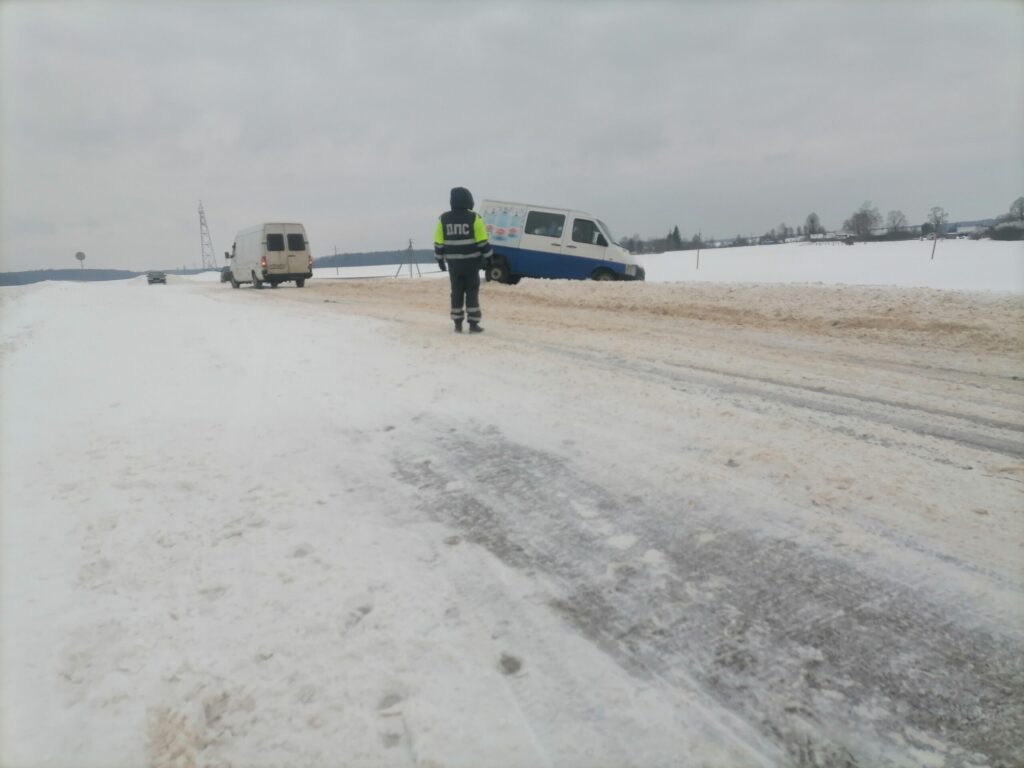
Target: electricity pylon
208,254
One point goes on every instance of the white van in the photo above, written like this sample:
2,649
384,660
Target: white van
271,254
537,241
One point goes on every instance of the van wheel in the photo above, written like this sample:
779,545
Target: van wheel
498,271
234,283
273,283
300,282
603,274
256,283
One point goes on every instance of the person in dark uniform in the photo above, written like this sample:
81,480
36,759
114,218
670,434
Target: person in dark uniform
461,247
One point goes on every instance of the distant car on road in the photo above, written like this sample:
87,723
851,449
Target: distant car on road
156,277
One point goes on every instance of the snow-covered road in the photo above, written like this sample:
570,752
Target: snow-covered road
630,525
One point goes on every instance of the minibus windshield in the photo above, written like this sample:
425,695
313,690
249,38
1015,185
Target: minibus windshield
607,232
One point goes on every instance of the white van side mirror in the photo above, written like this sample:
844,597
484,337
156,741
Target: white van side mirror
227,255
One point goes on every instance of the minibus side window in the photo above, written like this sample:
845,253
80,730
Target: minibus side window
275,242
544,224
586,231
296,242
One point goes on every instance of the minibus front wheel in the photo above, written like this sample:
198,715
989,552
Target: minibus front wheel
603,274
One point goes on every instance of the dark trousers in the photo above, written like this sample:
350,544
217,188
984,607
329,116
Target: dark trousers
464,275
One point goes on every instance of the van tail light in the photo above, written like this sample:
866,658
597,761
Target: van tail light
263,262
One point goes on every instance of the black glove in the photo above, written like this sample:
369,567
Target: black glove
441,265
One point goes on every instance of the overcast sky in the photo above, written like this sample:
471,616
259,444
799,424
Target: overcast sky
357,118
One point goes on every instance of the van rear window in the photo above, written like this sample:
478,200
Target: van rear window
296,242
275,242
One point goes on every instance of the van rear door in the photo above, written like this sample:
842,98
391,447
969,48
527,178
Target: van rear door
296,249
273,250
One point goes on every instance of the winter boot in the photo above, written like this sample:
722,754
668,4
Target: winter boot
458,326
475,328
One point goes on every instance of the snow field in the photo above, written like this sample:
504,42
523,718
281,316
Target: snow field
212,560
630,523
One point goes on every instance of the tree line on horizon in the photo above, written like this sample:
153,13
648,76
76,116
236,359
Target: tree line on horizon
864,225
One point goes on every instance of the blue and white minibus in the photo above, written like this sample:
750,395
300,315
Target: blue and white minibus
537,241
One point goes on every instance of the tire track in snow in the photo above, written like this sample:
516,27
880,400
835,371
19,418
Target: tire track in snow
835,664
977,432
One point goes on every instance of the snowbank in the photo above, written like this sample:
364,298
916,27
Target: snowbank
378,271
970,265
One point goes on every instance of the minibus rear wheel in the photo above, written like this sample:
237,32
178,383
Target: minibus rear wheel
498,271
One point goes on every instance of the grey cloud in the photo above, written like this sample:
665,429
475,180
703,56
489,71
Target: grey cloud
352,117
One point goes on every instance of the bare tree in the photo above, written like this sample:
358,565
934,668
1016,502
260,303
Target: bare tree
813,225
938,217
896,221
863,221
1017,208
